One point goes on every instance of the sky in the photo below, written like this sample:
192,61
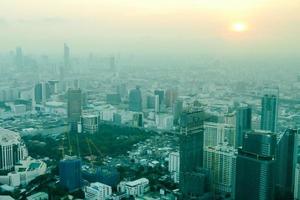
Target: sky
154,27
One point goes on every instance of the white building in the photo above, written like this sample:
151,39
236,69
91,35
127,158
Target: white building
218,133
12,149
297,182
90,123
25,171
221,161
38,196
164,121
134,188
97,191
174,164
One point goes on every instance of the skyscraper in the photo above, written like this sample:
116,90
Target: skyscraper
66,56
19,58
177,110
256,166
269,109
286,157
70,173
42,92
161,94
243,122
191,175
135,100
221,161
74,108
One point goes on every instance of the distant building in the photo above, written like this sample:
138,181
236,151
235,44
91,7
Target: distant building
122,90
113,99
256,166
174,166
134,188
70,173
90,123
177,110
171,96
269,110
135,100
97,191
41,92
74,108
161,95
164,121
19,58
221,161
243,122
138,120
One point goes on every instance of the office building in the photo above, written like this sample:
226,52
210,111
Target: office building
138,120
286,157
161,95
97,191
41,92
70,173
90,123
12,149
192,179
256,166
74,108
297,182
243,122
177,110
19,58
218,133
221,161
174,166
135,100
269,109
171,96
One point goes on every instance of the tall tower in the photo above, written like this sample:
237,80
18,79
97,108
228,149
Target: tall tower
74,108
269,109
193,181
135,100
19,58
243,122
287,149
256,166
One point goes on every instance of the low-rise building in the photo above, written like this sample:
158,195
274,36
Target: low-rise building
134,188
97,191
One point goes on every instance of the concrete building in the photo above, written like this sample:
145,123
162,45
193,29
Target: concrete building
97,191
256,166
269,109
74,108
174,166
134,188
221,161
12,149
90,123
70,173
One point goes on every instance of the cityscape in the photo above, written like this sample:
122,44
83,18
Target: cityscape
129,104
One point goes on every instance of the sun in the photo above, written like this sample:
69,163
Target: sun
239,27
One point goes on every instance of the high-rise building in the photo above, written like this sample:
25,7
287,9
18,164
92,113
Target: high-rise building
42,92
193,180
171,96
297,182
70,173
177,110
221,161
135,100
174,166
74,108
218,133
19,58
286,157
113,99
243,122
269,109
66,56
138,120
90,123
256,166
161,94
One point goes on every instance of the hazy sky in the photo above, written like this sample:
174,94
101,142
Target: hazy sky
151,26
